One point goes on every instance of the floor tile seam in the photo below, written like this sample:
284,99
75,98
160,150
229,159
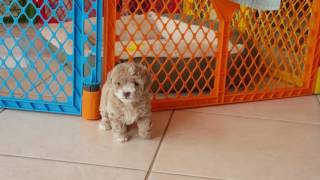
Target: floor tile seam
159,145
186,175
68,162
255,117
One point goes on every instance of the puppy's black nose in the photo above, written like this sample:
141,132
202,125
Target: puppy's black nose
126,94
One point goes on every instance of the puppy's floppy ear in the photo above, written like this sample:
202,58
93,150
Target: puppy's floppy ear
141,70
109,78
148,76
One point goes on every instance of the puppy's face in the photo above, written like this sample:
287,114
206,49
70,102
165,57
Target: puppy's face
129,81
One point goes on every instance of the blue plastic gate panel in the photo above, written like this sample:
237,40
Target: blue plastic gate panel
42,55
93,43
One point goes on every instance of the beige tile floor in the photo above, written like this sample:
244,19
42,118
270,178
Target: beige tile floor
269,140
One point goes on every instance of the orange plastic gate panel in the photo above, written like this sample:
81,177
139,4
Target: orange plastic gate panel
226,56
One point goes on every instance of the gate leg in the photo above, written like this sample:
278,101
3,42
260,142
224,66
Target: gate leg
90,103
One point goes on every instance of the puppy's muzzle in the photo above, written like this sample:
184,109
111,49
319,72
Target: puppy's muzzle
126,94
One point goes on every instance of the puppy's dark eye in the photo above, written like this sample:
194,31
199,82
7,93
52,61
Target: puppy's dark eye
117,83
136,84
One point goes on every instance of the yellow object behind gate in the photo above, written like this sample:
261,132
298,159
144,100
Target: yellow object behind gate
317,87
197,8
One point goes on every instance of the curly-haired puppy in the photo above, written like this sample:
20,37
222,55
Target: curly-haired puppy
125,99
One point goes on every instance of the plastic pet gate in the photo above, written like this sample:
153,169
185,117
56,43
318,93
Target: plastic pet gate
201,52
205,52
46,57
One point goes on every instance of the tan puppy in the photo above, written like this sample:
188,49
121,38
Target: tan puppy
125,99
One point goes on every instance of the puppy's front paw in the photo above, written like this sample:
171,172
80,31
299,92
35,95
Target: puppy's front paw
145,134
120,138
104,126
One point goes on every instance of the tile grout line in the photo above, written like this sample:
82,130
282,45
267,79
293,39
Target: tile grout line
251,117
68,162
47,78
158,148
38,84
43,81
185,175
